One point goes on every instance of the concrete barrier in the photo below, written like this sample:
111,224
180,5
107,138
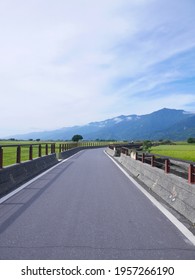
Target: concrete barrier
111,152
176,191
13,176
68,153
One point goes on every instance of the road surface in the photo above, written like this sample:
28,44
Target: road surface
86,208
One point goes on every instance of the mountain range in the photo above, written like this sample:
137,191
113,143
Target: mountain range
162,124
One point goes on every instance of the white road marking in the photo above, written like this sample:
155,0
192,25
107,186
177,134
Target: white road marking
188,234
4,198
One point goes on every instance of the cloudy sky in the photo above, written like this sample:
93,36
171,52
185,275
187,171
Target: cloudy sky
70,62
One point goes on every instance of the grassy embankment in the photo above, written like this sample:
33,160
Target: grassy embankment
182,150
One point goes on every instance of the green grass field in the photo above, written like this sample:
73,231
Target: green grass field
181,150
9,153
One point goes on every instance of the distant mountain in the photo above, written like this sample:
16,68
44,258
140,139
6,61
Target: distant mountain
163,124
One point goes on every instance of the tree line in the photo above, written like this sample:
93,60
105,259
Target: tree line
191,140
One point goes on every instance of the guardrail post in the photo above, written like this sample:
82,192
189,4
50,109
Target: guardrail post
30,152
60,148
46,149
152,160
53,148
18,154
191,174
40,150
1,157
167,165
136,156
143,157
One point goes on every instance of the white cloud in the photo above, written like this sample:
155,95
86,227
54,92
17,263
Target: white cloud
72,62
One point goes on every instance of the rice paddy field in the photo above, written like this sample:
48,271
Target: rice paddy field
10,152
181,150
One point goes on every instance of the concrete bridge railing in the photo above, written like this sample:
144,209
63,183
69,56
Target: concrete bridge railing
14,175
175,190
24,152
181,168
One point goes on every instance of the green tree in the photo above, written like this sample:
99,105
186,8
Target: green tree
147,146
77,137
191,140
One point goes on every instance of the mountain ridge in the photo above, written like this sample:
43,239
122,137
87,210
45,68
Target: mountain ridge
165,123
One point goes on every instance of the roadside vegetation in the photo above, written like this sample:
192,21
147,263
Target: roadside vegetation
180,150
9,153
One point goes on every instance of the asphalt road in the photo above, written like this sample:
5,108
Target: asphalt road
86,208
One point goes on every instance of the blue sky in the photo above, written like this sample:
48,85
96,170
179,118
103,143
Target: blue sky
65,63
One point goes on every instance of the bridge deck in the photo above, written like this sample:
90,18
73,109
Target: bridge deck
86,208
